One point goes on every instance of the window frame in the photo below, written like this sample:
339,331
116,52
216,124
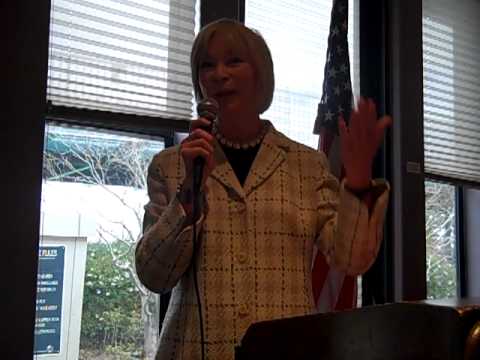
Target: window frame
135,124
377,284
404,92
461,234
464,239
23,108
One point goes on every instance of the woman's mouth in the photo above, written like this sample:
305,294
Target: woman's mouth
224,93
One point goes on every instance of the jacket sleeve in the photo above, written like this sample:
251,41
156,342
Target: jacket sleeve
349,234
164,252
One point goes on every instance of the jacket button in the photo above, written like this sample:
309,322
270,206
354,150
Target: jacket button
242,258
243,310
241,207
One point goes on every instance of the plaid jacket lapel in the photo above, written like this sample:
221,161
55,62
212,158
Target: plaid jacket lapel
224,173
271,154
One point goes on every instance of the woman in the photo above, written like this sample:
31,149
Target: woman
267,201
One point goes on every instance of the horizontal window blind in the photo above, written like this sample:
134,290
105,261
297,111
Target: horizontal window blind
126,56
297,35
451,74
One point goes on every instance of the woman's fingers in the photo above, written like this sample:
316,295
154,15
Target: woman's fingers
196,147
192,153
342,126
198,133
201,123
344,134
382,124
354,125
199,143
371,120
364,134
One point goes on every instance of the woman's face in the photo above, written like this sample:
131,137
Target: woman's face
227,75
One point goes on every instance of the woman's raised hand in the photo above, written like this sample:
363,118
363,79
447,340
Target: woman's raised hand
360,141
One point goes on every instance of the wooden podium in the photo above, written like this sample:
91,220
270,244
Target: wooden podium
428,330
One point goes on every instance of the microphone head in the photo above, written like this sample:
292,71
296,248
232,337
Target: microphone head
208,109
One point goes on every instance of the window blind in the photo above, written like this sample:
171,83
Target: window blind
126,56
451,73
297,35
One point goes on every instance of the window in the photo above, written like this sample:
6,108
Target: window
440,222
92,207
115,62
451,85
93,195
125,56
297,34
451,74
471,249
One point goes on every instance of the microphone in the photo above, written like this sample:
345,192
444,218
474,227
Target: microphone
208,109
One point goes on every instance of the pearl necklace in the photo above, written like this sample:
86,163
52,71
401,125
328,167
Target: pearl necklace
240,145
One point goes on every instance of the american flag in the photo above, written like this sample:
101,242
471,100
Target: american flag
333,290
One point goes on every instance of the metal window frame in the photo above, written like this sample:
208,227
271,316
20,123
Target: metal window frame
461,237
377,285
128,123
23,104
453,181
461,263
405,104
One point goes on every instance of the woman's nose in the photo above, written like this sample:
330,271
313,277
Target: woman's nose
220,72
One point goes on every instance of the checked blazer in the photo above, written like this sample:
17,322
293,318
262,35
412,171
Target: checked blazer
256,242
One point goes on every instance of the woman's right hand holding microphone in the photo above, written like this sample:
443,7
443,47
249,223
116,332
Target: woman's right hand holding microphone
199,143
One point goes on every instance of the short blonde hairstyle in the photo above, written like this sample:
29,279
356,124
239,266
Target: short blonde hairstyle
257,51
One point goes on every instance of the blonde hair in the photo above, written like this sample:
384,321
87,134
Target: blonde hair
256,49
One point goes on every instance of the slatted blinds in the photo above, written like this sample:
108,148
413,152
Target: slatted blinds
297,34
127,56
451,50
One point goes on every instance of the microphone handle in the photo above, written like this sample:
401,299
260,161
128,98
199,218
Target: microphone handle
198,165
199,162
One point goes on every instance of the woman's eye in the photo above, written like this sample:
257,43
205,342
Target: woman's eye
206,65
235,60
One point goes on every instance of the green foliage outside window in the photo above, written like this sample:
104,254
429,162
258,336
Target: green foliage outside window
119,316
111,321
440,218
